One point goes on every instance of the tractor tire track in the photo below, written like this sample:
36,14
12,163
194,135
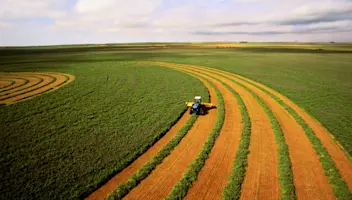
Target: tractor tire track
161,181
261,180
122,176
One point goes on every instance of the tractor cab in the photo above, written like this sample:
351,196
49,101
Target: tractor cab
197,99
198,107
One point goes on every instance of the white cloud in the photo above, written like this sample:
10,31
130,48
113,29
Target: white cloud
139,20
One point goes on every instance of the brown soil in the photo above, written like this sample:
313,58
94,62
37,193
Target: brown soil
341,161
261,180
160,182
121,177
45,86
213,177
309,178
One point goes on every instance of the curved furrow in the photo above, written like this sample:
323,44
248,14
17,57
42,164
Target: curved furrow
32,81
126,173
5,83
19,82
161,181
261,180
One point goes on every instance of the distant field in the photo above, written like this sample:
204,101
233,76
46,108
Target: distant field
69,142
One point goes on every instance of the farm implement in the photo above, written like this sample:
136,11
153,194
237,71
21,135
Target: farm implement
198,107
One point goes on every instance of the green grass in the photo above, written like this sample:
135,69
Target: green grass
180,189
148,167
339,186
320,83
65,144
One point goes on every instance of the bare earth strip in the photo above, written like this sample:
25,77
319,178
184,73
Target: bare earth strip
213,177
341,161
160,182
309,178
261,180
121,177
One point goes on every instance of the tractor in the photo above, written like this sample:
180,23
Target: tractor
198,107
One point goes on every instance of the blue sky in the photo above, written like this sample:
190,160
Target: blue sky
45,22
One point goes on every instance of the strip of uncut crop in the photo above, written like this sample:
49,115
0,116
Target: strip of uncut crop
181,188
284,163
339,186
123,189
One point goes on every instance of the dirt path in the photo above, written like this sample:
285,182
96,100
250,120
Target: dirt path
309,178
121,177
160,182
261,180
213,177
48,83
341,161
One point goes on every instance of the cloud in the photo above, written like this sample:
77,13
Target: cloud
173,20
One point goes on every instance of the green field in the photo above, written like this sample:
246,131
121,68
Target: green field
67,143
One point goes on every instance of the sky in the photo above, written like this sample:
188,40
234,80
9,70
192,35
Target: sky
51,22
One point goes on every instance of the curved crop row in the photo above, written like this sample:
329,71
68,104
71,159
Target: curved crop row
147,168
340,188
180,189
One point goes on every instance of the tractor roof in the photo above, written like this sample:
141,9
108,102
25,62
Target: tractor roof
197,97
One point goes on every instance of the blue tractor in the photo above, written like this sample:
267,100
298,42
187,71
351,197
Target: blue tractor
197,107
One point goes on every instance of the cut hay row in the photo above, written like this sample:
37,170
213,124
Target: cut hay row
161,181
31,85
222,127
124,188
120,178
282,163
262,159
336,164
19,82
6,84
340,189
